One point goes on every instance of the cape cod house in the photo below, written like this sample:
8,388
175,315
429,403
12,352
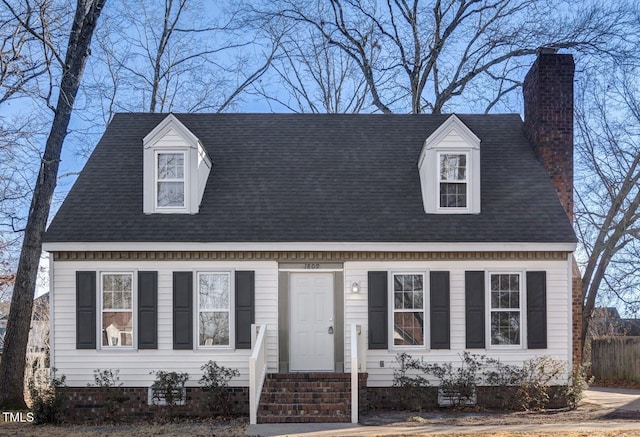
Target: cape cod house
304,244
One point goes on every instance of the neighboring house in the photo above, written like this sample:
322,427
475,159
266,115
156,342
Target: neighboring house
39,335
4,316
38,345
606,321
436,234
3,329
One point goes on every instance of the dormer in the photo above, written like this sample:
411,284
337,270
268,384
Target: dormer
176,169
449,167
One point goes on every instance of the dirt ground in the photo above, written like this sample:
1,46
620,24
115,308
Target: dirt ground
586,412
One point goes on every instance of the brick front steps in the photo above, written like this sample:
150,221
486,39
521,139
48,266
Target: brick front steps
305,398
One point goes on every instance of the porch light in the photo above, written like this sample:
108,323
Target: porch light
355,287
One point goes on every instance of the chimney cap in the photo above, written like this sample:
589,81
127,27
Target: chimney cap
547,50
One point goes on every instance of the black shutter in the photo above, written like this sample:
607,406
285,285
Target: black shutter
182,310
245,308
474,306
147,310
86,310
440,310
378,304
537,310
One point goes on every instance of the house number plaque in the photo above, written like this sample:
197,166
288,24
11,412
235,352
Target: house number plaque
310,266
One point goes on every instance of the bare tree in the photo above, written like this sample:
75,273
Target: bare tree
420,56
12,367
608,193
26,71
318,78
166,55
19,70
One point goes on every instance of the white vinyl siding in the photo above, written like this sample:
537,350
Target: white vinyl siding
558,312
135,365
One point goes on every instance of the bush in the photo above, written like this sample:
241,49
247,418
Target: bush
415,391
47,401
458,385
215,381
168,388
537,374
531,386
108,381
577,385
504,380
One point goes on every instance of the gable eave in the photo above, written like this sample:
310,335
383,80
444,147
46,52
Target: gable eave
167,124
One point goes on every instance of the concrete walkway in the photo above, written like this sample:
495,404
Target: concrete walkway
618,399
622,399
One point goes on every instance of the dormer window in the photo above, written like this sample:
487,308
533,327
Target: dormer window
176,169
453,180
170,180
449,167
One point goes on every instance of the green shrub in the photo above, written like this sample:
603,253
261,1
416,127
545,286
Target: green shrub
108,382
47,401
532,386
504,380
458,384
215,382
168,388
415,391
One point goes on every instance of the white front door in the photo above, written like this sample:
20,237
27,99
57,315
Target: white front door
311,322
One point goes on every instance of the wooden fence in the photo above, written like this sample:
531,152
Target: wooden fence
616,358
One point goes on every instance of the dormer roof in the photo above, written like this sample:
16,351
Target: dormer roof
170,126
452,134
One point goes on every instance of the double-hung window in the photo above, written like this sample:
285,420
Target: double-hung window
408,309
214,308
453,180
506,309
170,180
117,309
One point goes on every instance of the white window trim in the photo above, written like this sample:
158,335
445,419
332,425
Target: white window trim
425,313
467,181
197,165
452,136
134,310
523,310
232,310
185,179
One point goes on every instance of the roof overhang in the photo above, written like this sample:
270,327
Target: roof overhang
310,246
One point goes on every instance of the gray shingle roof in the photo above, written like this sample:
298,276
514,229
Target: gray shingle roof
312,178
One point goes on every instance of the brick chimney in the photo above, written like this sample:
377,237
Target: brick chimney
548,118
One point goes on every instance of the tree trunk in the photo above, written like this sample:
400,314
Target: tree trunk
12,367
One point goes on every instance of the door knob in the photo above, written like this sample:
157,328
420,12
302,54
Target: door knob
330,329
